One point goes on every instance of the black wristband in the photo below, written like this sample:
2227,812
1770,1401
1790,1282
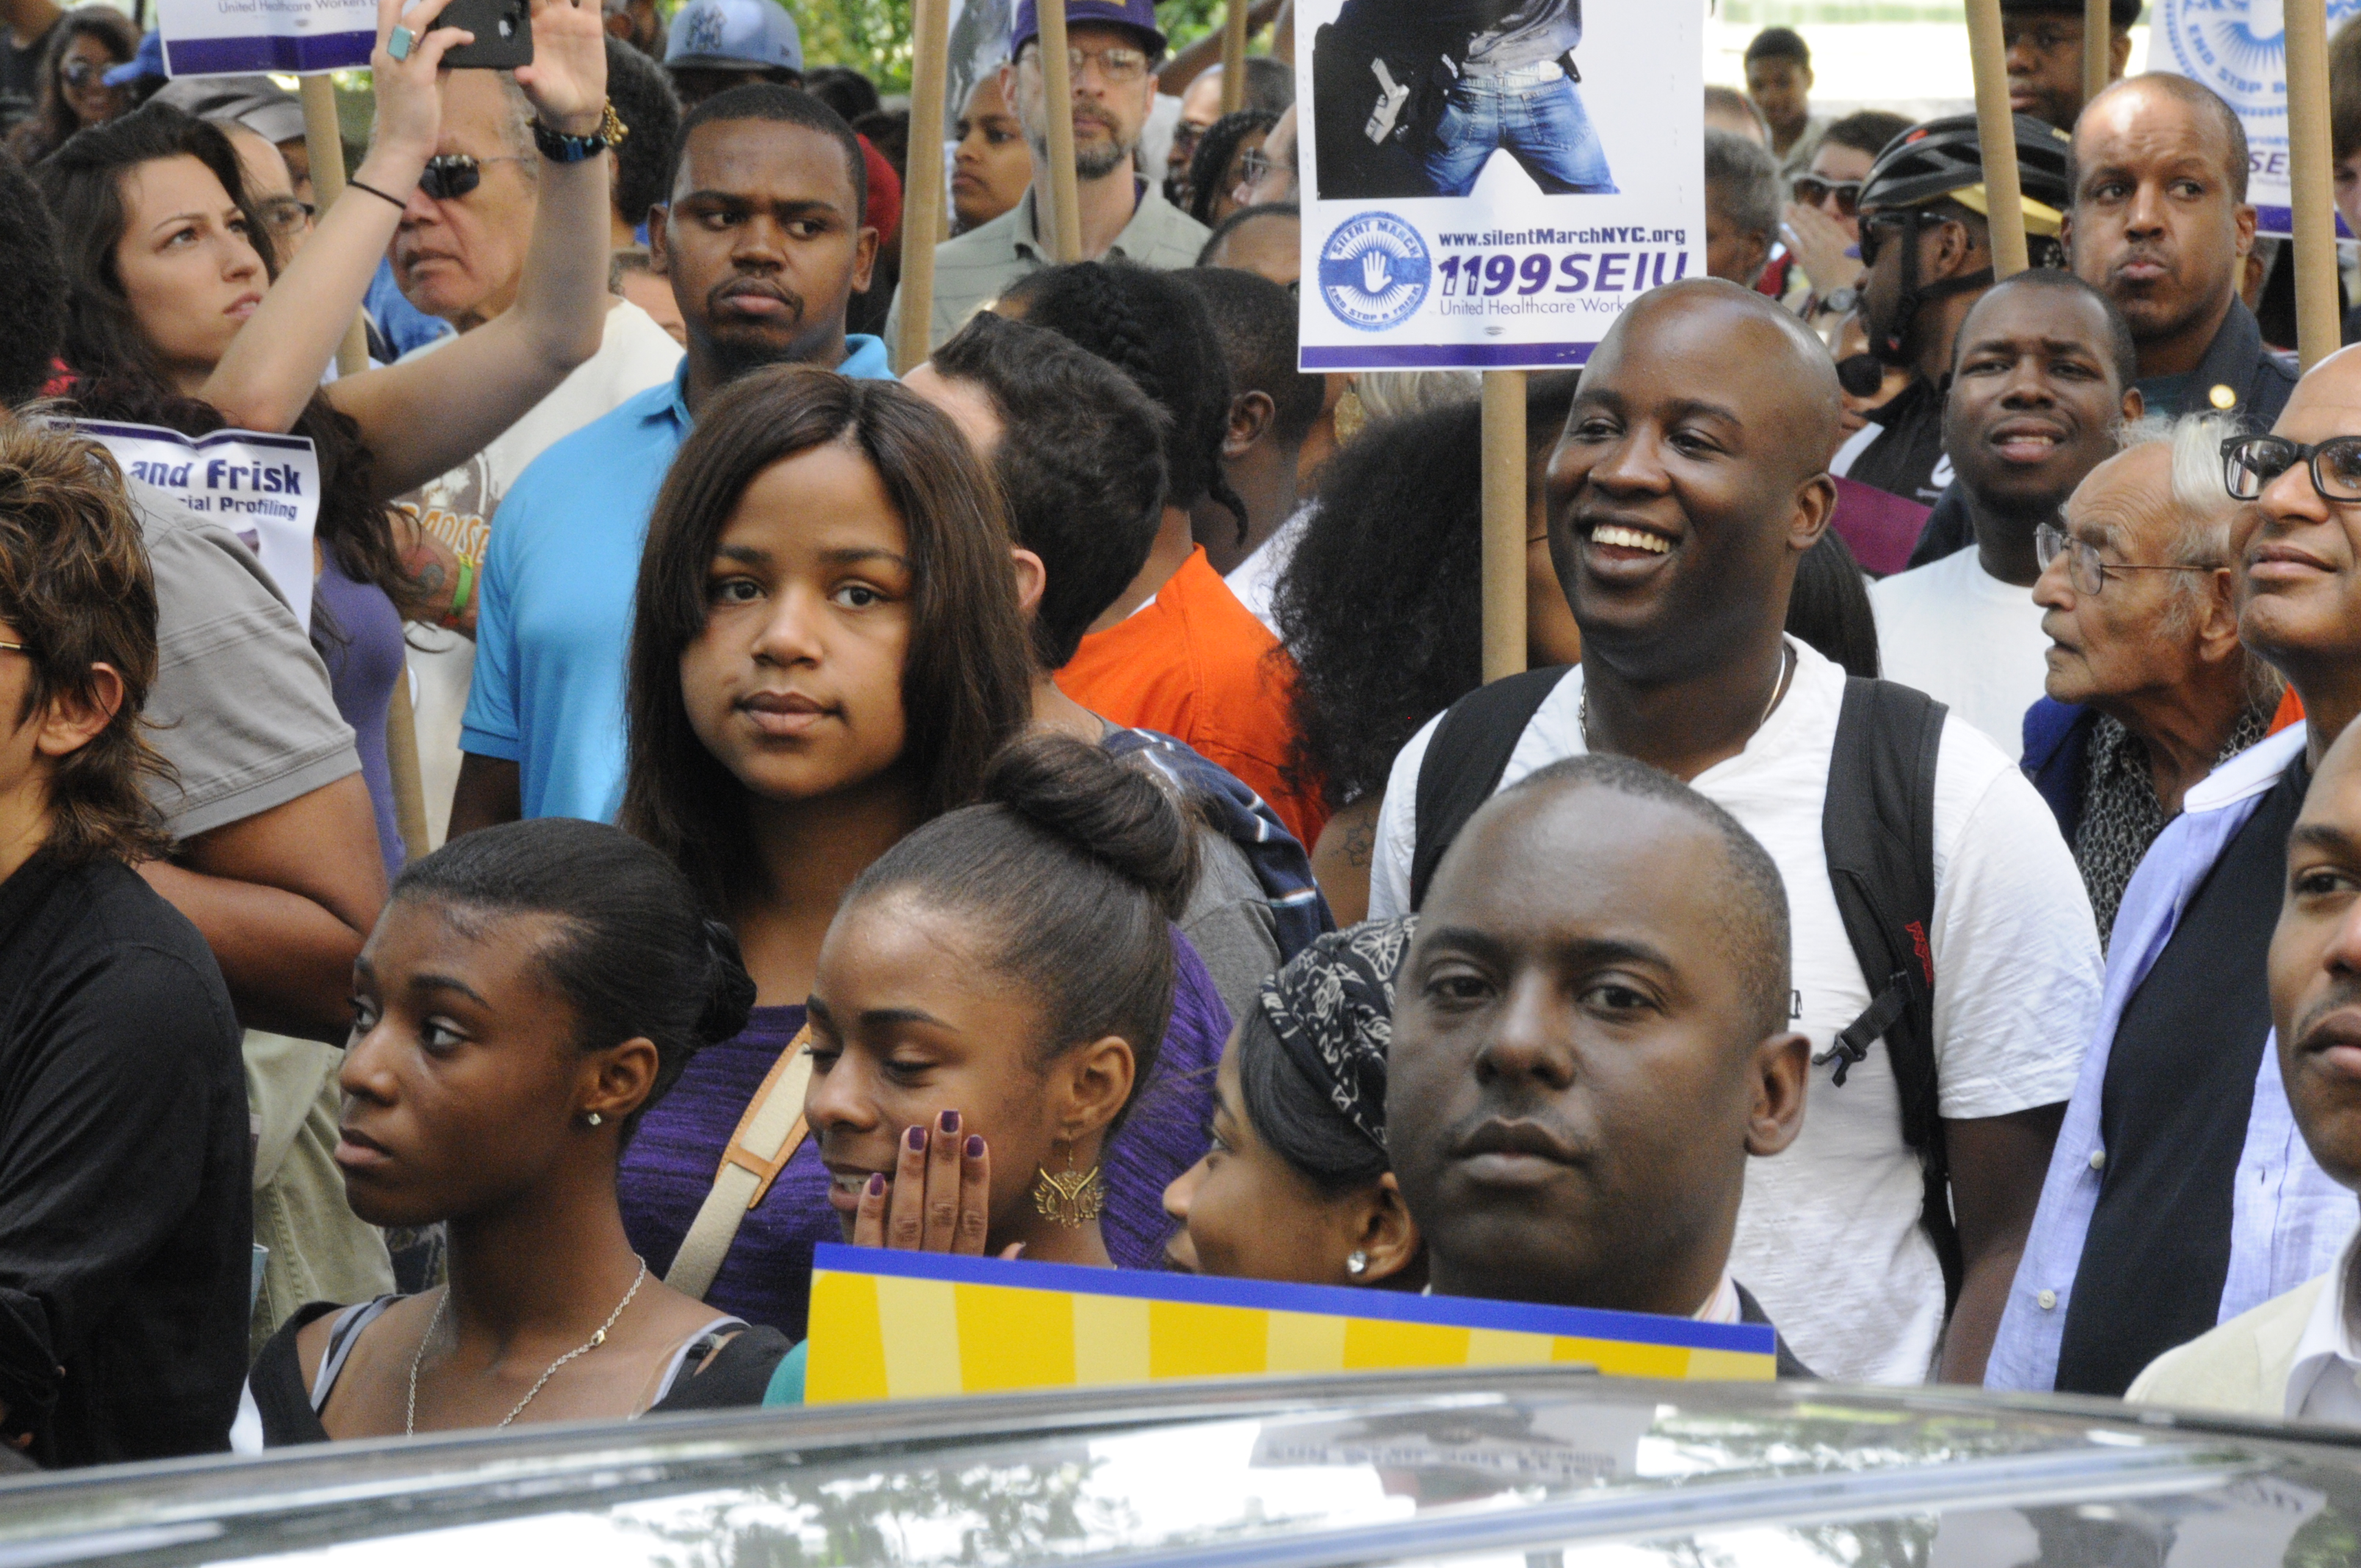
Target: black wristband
399,205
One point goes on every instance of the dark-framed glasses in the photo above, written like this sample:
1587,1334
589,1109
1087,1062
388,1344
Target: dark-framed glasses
1811,191
15,647
1874,229
81,72
2085,568
451,175
2251,462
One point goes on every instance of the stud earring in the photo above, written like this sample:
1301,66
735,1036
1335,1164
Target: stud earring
1357,1264
595,1119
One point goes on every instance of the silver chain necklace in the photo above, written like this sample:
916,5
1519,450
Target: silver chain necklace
409,1420
1778,690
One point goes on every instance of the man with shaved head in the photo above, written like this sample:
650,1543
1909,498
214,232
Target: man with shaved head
1689,482
1591,1045
2179,1194
2160,222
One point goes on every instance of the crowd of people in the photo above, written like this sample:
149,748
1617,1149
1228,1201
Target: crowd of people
1040,801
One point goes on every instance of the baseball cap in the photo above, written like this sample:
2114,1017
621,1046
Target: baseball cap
1139,15
2120,13
258,103
148,62
735,34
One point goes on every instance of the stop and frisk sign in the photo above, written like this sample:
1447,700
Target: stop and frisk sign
1488,183
904,1326
226,37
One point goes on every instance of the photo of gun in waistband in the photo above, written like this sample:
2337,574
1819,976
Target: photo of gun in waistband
1415,98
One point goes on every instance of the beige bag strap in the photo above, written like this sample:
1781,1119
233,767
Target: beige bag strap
767,1137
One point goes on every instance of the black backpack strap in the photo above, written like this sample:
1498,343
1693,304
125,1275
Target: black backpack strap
1879,832
1464,762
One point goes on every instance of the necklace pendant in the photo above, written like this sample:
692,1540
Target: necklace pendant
599,1339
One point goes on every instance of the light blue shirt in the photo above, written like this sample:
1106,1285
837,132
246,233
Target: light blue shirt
2289,1222
554,615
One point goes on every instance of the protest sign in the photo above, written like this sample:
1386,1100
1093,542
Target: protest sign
263,488
2238,48
224,38
902,1325
1487,184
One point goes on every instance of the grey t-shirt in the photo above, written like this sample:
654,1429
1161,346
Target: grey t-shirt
1228,921
241,707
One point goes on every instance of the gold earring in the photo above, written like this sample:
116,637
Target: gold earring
1071,1199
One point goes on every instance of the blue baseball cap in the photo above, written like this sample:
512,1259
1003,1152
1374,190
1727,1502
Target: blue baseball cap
149,62
1139,15
735,35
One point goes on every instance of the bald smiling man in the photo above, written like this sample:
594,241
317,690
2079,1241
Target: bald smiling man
1688,484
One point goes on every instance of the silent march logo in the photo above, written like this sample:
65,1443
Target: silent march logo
2238,48
1375,272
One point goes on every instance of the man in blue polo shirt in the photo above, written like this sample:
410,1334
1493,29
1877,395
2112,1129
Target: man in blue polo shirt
763,243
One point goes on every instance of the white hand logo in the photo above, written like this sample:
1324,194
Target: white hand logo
1374,272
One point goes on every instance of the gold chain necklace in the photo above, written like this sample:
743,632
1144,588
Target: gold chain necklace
410,1420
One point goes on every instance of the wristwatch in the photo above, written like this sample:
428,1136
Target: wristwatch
1842,301
559,147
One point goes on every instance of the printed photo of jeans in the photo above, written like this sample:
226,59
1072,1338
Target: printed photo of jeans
1541,123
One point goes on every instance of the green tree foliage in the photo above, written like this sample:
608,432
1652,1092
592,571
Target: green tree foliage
874,36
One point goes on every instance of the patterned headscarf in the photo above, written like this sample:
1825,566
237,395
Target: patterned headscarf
1333,1011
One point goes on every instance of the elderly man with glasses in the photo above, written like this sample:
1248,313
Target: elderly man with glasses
1112,49
2150,688
2180,1193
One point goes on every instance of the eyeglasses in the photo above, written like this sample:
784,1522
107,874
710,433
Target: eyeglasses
1813,191
1118,67
2251,462
1873,233
2085,568
15,647
81,72
284,216
451,175
1254,166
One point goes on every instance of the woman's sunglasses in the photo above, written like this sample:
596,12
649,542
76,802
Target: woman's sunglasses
451,175
1813,191
80,74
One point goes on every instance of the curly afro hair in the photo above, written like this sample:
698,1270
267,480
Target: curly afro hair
1381,603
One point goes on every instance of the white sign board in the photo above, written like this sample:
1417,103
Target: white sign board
1487,184
235,38
263,488
2238,48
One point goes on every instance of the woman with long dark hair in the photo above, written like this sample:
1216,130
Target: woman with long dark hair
178,313
87,42
828,652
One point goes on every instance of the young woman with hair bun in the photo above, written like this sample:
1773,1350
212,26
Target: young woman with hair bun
529,992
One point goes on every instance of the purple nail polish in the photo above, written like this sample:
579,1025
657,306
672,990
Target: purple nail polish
876,1184
976,1145
918,1140
948,1121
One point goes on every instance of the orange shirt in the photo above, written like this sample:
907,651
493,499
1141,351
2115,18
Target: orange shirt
1196,664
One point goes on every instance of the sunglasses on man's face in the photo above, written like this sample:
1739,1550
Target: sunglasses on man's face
451,175
1812,191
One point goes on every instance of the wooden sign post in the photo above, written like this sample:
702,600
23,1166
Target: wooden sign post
923,205
1233,56
325,144
1996,129
2098,47
2310,181
1058,83
1504,523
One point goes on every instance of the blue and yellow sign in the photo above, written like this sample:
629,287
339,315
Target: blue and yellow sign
902,1326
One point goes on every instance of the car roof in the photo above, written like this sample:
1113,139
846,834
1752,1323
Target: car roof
1491,1466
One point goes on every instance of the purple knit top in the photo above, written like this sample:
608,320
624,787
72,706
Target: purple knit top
669,1167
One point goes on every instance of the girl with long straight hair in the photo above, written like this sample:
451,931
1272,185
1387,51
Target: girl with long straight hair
829,652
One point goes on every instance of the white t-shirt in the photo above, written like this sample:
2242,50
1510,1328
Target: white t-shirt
1256,579
634,354
1828,1237
1967,640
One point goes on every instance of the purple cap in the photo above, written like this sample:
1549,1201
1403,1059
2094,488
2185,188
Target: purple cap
1139,15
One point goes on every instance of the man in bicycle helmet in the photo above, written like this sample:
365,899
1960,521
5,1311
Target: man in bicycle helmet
1925,241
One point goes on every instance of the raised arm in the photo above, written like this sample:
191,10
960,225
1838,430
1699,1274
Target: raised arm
424,417
275,363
